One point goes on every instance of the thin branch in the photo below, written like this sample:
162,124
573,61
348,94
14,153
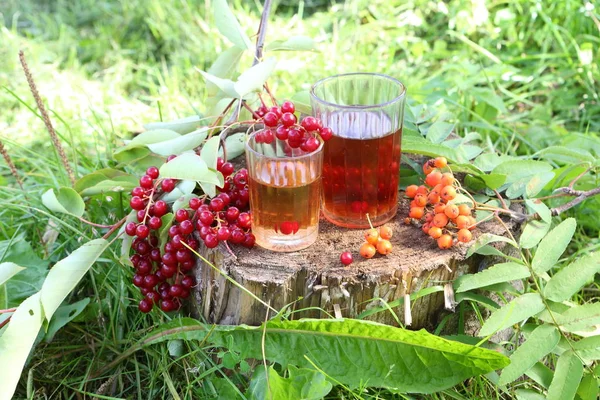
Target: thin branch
46,118
581,197
8,310
262,32
6,321
114,228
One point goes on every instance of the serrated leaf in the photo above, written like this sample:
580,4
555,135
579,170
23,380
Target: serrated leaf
486,239
517,310
65,201
588,348
229,26
179,144
502,272
580,317
528,394
8,270
553,245
254,78
565,155
533,232
303,383
187,166
588,388
541,374
16,343
567,376
439,131
540,208
66,274
227,86
540,342
181,125
517,169
570,279
65,314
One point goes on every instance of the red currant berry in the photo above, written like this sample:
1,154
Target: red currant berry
163,286
237,236
204,230
244,220
226,169
171,157
167,185
168,270
135,259
310,124
288,107
186,227
142,231
216,204
240,180
155,223
144,267
188,282
141,215
150,281
173,231
130,228
155,255
153,240
142,247
309,145
176,290
281,132
138,191
268,137
145,305
169,259
346,258
326,134
206,218
182,215
146,182
187,265
153,296
178,242
249,241
160,208
223,233
137,203
185,293
152,172
232,214
183,255
220,163
225,197
261,111
193,243
288,119
276,110
195,203
138,280
211,241
270,119
167,305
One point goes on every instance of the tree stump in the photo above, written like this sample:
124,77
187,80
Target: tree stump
314,282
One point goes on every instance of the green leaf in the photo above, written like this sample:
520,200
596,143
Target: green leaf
537,183
565,155
553,245
493,181
227,86
127,156
382,356
98,176
8,270
128,240
182,189
181,126
254,78
301,100
588,348
517,310
570,279
16,343
179,144
567,376
417,145
294,43
529,394
118,184
588,388
516,169
149,137
66,201
229,26
502,272
542,209
210,152
541,342
188,166
163,233
580,317
235,146
488,161
303,383
488,96
439,131
66,274
65,314
488,238
483,300
224,67
533,232
541,374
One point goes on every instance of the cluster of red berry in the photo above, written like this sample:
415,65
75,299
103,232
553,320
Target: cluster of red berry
281,123
164,276
433,202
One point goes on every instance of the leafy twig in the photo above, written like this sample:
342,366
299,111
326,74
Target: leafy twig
581,196
46,118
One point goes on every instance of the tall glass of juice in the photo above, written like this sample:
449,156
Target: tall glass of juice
285,193
361,163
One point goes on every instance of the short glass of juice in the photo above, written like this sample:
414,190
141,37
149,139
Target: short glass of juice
361,162
285,193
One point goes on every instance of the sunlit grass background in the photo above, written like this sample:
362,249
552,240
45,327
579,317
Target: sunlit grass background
106,67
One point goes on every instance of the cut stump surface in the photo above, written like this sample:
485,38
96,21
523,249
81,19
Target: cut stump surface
314,283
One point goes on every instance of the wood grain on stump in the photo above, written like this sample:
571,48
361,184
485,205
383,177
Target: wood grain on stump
314,281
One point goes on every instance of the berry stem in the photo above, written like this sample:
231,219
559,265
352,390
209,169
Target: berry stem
92,224
114,228
266,86
8,310
369,219
6,321
247,107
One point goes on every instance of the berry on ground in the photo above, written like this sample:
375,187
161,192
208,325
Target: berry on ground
346,258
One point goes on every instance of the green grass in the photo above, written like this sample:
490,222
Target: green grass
104,68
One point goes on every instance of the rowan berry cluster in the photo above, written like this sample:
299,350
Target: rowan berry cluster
281,123
164,275
434,204
377,241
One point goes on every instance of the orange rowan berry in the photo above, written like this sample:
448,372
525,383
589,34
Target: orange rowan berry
451,211
367,250
425,228
435,232
447,179
407,221
464,235
416,212
462,221
429,217
384,247
433,198
422,190
464,209
444,241
421,200
448,193
437,189
385,232
440,162
413,204
372,236
428,167
440,220
434,178
472,223
439,208
411,191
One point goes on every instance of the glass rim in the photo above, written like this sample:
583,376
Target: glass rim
300,157
320,82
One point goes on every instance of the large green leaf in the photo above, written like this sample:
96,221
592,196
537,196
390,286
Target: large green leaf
588,348
419,145
254,78
181,126
8,270
580,317
566,155
224,67
567,376
529,394
365,353
66,274
187,166
486,239
179,144
65,201
542,341
569,280
235,146
517,310
294,43
588,388
553,245
303,384
210,151
516,169
502,272
439,131
533,232
65,314
229,26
